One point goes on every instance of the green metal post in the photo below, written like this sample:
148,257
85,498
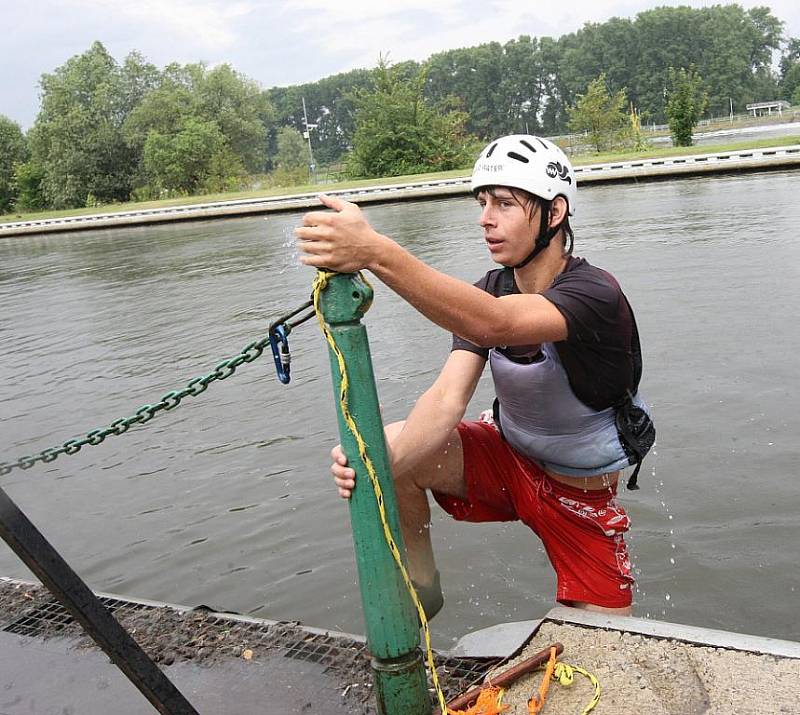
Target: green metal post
391,620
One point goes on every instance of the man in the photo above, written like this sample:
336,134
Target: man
562,345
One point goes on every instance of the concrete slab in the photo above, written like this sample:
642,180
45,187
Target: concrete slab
676,631
54,677
498,641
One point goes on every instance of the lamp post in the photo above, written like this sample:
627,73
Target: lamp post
312,167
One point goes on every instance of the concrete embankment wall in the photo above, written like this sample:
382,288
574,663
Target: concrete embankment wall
765,159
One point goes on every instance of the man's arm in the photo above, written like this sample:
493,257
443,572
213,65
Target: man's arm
344,241
430,423
437,412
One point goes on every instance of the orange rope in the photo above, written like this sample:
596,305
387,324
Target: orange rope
536,703
488,703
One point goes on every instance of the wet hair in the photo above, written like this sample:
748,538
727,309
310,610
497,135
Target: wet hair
529,202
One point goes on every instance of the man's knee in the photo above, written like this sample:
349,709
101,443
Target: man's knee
392,430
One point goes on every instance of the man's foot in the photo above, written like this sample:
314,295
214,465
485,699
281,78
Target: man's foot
430,597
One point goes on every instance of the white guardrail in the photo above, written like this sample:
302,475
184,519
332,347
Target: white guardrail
750,159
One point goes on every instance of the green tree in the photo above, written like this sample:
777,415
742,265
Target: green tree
292,150
686,100
195,157
600,114
77,136
399,132
28,178
234,104
13,151
241,110
790,69
291,160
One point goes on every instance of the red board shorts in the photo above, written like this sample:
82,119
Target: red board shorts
582,531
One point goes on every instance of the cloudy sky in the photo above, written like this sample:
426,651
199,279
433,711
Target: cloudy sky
281,42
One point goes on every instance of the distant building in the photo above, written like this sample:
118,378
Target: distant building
759,109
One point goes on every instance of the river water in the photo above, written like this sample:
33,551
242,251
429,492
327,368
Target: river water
227,501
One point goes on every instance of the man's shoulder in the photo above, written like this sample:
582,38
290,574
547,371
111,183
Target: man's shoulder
582,275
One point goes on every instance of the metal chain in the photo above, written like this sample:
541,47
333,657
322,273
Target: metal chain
146,412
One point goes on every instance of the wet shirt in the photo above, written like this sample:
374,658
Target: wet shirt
556,401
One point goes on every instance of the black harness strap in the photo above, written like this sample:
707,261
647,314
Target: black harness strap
634,426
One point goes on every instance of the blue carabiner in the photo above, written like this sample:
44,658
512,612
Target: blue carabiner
279,342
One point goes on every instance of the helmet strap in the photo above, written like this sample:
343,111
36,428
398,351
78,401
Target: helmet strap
546,234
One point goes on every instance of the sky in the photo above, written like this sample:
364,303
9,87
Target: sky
283,42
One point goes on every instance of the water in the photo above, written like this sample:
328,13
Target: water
227,501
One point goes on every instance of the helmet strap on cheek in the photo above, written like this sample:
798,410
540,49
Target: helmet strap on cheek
546,234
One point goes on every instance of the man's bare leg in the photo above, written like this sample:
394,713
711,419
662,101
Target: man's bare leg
626,611
443,471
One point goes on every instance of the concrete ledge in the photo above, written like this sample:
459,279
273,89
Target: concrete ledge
505,639
676,632
766,159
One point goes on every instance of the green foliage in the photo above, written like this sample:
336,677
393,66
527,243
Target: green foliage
686,100
291,161
399,132
195,157
234,104
791,82
13,151
528,84
292,150
600,114
638,142
329,104
28,178
790,69
97,118
77,135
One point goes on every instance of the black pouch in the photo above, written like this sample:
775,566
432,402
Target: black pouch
637,433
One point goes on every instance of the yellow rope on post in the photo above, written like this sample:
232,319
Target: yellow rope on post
319,285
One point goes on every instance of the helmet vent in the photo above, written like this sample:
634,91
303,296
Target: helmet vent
518,157
491,150
527,145
542,142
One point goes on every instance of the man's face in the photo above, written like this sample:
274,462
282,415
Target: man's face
507,223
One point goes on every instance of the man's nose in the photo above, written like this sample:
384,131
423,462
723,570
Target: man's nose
486,217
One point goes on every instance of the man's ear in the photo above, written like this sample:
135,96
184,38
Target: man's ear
558,210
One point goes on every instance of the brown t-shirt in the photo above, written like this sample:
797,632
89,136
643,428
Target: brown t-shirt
598,354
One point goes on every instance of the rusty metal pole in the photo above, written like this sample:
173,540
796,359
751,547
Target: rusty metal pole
392,623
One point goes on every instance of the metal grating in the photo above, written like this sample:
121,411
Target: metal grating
333,651
324,650
51,617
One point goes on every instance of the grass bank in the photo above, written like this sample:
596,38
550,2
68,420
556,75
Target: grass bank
577,159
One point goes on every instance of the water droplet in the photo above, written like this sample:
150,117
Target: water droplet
672,561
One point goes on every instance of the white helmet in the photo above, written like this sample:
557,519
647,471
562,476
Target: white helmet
533,164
